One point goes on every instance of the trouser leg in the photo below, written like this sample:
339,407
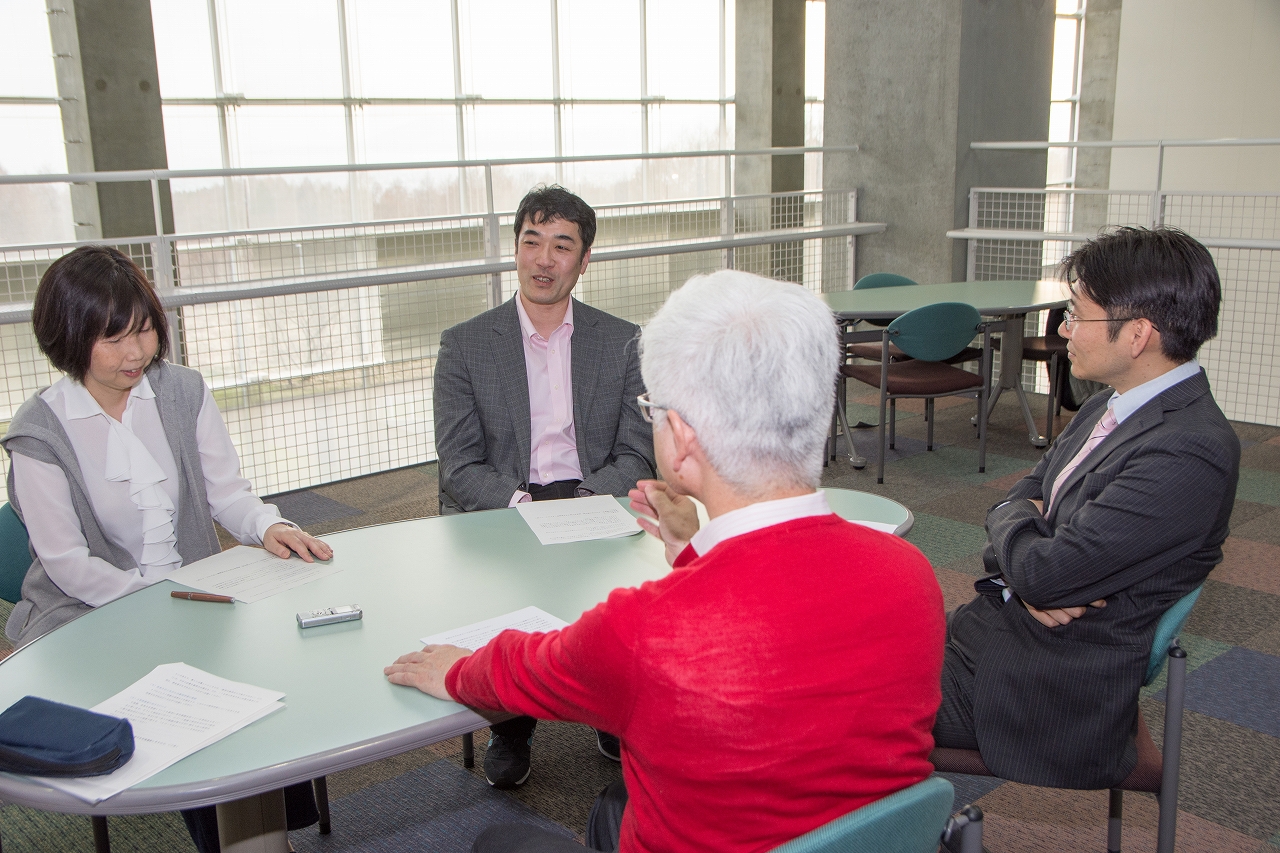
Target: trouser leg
299,807
517,728
953,726
523,838
604,824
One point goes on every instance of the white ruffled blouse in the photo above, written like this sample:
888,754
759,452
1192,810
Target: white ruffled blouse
132,479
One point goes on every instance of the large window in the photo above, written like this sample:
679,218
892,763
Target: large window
1064,104
297,82
31,141
334,82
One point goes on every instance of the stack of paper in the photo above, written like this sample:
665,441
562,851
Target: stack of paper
250,574
478,634
578,519
175,710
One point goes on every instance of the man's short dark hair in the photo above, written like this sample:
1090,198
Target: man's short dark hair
91,293
555,202
1162,274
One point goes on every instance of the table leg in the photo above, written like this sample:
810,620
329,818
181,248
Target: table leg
254,824
1011,375
321,786
101,838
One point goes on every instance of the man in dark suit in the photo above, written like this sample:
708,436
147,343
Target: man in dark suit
536,400
1125,514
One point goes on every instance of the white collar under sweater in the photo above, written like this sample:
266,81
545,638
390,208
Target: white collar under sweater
758,516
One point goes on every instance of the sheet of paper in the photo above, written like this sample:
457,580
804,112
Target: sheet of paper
578,519
174,710
250,574
882,526
477,634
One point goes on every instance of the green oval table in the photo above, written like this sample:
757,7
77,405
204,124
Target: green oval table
1009,300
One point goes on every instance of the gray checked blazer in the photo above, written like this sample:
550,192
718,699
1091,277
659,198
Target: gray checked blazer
1140,523
482,408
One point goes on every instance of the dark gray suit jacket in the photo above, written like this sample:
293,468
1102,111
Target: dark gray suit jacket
1140,523
482,408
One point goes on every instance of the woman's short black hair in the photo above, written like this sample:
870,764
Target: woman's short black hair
92,293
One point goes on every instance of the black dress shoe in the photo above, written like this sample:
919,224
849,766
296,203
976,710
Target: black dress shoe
506,761
609,746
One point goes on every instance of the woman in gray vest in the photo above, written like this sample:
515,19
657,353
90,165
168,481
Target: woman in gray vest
120,468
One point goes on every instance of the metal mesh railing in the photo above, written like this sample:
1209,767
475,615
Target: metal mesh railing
1248,217
21,267
320,343
1242,361
301,254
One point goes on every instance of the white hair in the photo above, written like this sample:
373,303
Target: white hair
750,363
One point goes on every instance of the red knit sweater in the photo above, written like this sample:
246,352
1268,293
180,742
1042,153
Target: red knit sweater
783,679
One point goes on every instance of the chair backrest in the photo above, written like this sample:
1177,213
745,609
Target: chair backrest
882,279
1053,321
1166,629
15,554
936,332
910,821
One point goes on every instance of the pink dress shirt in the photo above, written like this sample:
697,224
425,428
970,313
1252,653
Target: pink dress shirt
553,444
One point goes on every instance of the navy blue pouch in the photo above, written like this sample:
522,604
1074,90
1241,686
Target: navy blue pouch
43,738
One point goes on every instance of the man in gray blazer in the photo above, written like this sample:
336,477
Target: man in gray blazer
1125,514
536,400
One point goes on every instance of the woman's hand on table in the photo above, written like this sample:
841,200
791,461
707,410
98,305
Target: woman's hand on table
284,539
676,515
426,669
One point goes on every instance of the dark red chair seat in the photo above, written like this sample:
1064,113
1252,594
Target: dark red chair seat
871,352
1044,348
915,378
1145,776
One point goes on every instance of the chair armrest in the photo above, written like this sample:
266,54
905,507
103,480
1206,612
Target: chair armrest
964,831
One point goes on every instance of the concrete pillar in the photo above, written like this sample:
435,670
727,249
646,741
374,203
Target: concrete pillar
787,129
913,82
75,115
769,113
1101,55
108,80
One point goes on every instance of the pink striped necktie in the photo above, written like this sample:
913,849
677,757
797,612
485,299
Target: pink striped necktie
1100,431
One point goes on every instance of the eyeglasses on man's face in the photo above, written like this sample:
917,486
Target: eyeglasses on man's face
647,407
1070,318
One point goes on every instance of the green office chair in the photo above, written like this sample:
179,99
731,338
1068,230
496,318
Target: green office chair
911,821
871,351
15,554
930,335
882,279
1157,768
15,559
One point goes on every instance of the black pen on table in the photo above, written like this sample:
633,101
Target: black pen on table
203,596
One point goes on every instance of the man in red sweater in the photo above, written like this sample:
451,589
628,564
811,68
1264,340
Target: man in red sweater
787,670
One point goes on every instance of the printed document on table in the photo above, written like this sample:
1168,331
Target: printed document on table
174,710
250,574
578,519
477,634
882,526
